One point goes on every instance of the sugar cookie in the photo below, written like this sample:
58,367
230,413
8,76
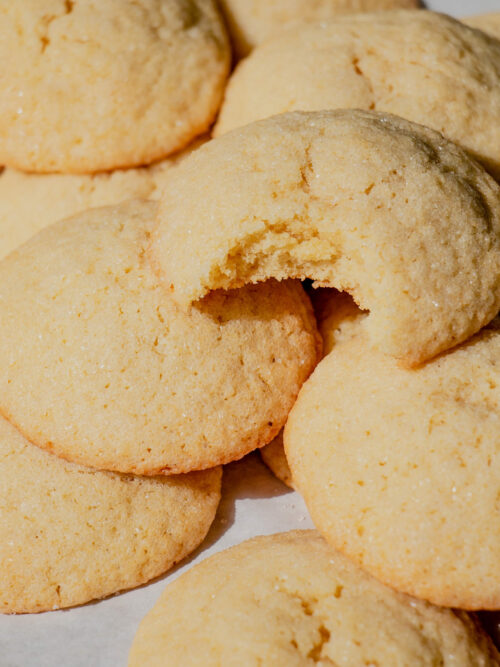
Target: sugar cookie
72,534
289,599
399,467
446,76
90,86
369,203
110,373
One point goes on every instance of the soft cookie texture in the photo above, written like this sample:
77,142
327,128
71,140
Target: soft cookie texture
289,599
488,23
30,202
109,373
339,319
252,21
423,66
369,203
71,534
399,467
89,86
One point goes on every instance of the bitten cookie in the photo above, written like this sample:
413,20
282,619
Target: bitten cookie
252,21
289,599
30,202
369,203
446,76
89,86
339,319
399,467
109,373
71,534
488,23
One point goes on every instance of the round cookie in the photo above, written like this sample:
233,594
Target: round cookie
71,534
339,319
369,203
30,202
92,86
446,77
110,373
398,467
289,599
253,21
488,23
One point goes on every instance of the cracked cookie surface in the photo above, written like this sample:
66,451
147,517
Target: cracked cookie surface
399,468
289,599
446,77
368,203
72,534
93,85
110,373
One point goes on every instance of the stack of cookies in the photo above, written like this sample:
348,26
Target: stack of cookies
92,97
145,344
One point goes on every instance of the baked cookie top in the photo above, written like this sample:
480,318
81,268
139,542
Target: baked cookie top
289,599
369,203
399,467
488,23
30,202
110,373
71,534
423,66
89,86
252,21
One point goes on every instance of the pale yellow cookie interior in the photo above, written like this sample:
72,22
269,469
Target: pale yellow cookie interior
253,21
398,467
71,534
89,86
289,599
369,203
446,77
110,373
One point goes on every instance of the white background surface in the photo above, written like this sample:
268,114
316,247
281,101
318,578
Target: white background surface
254,503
